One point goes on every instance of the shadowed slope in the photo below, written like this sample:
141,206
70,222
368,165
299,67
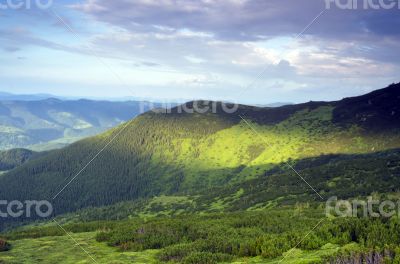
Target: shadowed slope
167,153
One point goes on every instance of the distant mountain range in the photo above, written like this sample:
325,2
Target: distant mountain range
53,123
24,97
277,104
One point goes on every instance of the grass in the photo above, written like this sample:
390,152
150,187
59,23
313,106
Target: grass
63,249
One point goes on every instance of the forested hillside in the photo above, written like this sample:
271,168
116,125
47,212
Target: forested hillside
10,159
186,154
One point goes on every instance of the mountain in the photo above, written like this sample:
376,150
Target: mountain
54,123
23,97
170,153
277,104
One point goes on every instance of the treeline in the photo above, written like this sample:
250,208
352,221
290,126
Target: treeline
217,238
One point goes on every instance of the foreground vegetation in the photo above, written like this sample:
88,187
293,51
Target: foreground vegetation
281,234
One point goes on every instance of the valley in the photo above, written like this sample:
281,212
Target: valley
53,123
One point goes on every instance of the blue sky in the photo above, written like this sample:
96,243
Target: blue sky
198,49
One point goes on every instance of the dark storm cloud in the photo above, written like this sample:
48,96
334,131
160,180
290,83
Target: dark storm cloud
362,32
246,20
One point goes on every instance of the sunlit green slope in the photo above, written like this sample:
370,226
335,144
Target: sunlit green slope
170,153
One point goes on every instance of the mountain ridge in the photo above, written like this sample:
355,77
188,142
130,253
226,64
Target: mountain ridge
170,153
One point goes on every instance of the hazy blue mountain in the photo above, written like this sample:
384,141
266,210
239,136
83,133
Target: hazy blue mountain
52,123
276,104
4,96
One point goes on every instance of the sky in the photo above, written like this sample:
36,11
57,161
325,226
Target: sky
247,51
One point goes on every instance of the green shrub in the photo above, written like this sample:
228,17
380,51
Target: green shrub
102,236
206,258
4,245
176,252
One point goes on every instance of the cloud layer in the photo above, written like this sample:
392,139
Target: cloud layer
205,48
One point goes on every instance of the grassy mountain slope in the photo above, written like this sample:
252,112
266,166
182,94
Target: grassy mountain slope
178,153
52,123
344,176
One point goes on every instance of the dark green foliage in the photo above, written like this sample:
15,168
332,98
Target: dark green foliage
4,245
365,255
55,230
214,237
206,258
252,234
